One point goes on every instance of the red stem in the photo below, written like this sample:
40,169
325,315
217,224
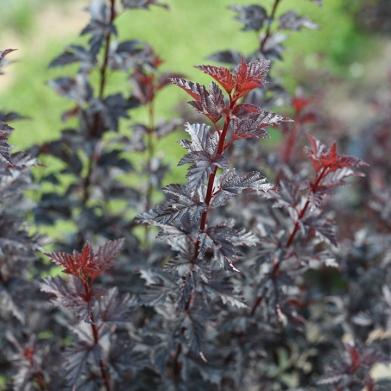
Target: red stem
204,217
212,177
276,268
314,189
95,335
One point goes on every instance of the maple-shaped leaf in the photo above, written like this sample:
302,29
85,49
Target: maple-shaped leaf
251,16
193,89
292,21
225,242
254,125
5,132
112,308
232,184
88,264
195,329
74,54
106,254
323,158
67,293
211,103
246,77
221,74
208,102
182,203
76,359
249,76
323,226
220,286
75,88
202,149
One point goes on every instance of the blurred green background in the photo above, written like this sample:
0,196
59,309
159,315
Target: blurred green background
184,36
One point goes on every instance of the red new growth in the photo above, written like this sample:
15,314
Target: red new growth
88,265
222,75
328,159
299,103
246,77
250,76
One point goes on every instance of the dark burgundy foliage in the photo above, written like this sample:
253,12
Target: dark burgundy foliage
22,310
96,312
266,268
94,155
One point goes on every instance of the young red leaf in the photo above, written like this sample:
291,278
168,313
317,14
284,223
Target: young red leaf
249,76
87,264
323,158
221,74
193,89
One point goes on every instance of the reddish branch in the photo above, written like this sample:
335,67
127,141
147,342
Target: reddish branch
95,335
211,181
314,188
204,216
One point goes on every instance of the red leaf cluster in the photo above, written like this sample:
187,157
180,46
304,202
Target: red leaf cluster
88,264
328,159
246,77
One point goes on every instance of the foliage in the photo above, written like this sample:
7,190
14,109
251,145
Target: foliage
21,314
240,279
93,157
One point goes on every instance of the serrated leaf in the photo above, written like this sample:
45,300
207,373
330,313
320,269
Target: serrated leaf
76,88
232,184
292,21
222,75
254,125
182,204
252,17
201,157
5,132
210,103
74,54
111,308
142,4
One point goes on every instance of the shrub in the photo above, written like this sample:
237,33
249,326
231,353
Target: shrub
23,314
88,185
239,278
